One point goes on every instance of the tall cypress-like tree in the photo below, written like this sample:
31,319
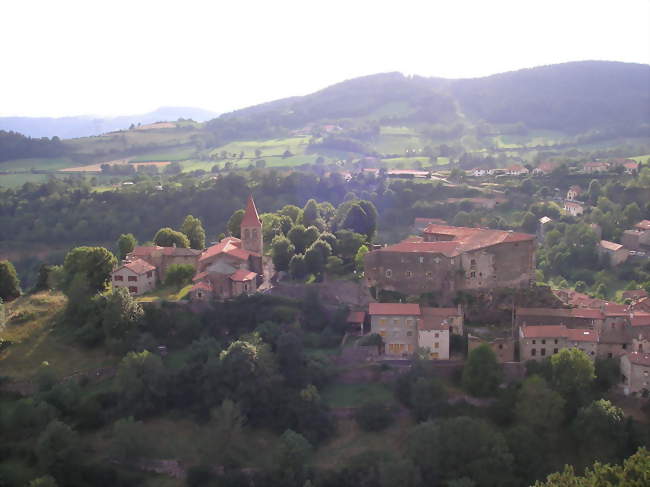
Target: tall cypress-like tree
9,282
193,228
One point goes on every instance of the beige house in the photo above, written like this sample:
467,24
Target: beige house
573,208
433,334
635,371
541,341
137,276
573,193
407,327
616,252
595,167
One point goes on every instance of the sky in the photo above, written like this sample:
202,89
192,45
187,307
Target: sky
128,57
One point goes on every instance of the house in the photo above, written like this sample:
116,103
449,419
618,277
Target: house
545,168
396,323
631,167
543,225
356,320
635,371
162,257
571,318
573,193
541,341
452,317
503,347
637,238
407,327
479,172
138,276
595,167
517,170
419,224
233,266
446,259
573,208
616,253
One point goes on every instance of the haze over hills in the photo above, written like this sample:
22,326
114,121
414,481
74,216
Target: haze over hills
86,125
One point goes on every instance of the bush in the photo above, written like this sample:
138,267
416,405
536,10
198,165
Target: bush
374,416
179,274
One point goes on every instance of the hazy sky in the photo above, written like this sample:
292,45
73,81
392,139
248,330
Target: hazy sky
124,57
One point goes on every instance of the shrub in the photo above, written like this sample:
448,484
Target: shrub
374,416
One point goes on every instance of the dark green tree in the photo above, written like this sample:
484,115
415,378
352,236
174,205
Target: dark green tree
141,382
297,266
125,245
9,283
573,373
58,448
282,250
167,237
600,432
234,223
193,229
179,274
88,269
482,372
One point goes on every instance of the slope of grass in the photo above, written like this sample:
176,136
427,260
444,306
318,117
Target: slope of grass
354,395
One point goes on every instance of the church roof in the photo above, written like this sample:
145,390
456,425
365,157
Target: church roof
251,218
230,246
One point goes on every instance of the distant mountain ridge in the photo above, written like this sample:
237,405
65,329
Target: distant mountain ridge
84,126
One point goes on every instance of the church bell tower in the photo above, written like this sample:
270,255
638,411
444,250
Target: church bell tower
251,229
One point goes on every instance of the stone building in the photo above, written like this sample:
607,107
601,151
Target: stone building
635,372
138,276
162,257
571,318
541,341
447,259
616,253
503,347
406,327
233,266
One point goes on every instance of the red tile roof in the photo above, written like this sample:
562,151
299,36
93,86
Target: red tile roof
230,246
242,275
433,320
470,238
582,335
138,266
643,225
356,317
251,218
404,309
615,309
544,331
640,319
200,276
612,246
639,358
445,248
203,285
588,313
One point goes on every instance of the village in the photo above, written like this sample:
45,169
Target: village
445,260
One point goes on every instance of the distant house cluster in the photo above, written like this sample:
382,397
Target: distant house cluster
227,269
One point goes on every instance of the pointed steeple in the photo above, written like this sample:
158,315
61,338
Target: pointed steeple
251,218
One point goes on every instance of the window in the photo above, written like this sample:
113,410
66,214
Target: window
645,372
436,335
500,346
542,351
534,341
555,350
429,275
533,352
472,264
409,333
395,322
409,274
247,234
149,273
118,278
436,345
609,355
556,341
382,321
389,273
133,289
421,260
543,342
624,346
382,333
254,233
472,275
132,279
409,322
451,261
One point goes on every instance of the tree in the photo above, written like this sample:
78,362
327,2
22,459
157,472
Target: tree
633,473
632,213
9,283
428,395
129,442
167,237
125,245
281,252
121,316
374,416
297,266
44,280
316,257
462,219
227,443
292,211
299,238
482,372
334,265
347,244
58,448
358,258
460,447
234,223
193,229
539,407
599,429
141,382
572,373
529,223
179,274
310,213
293,452
88,269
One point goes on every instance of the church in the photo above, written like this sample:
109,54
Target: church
233,266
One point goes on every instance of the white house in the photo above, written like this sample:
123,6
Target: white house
137,276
